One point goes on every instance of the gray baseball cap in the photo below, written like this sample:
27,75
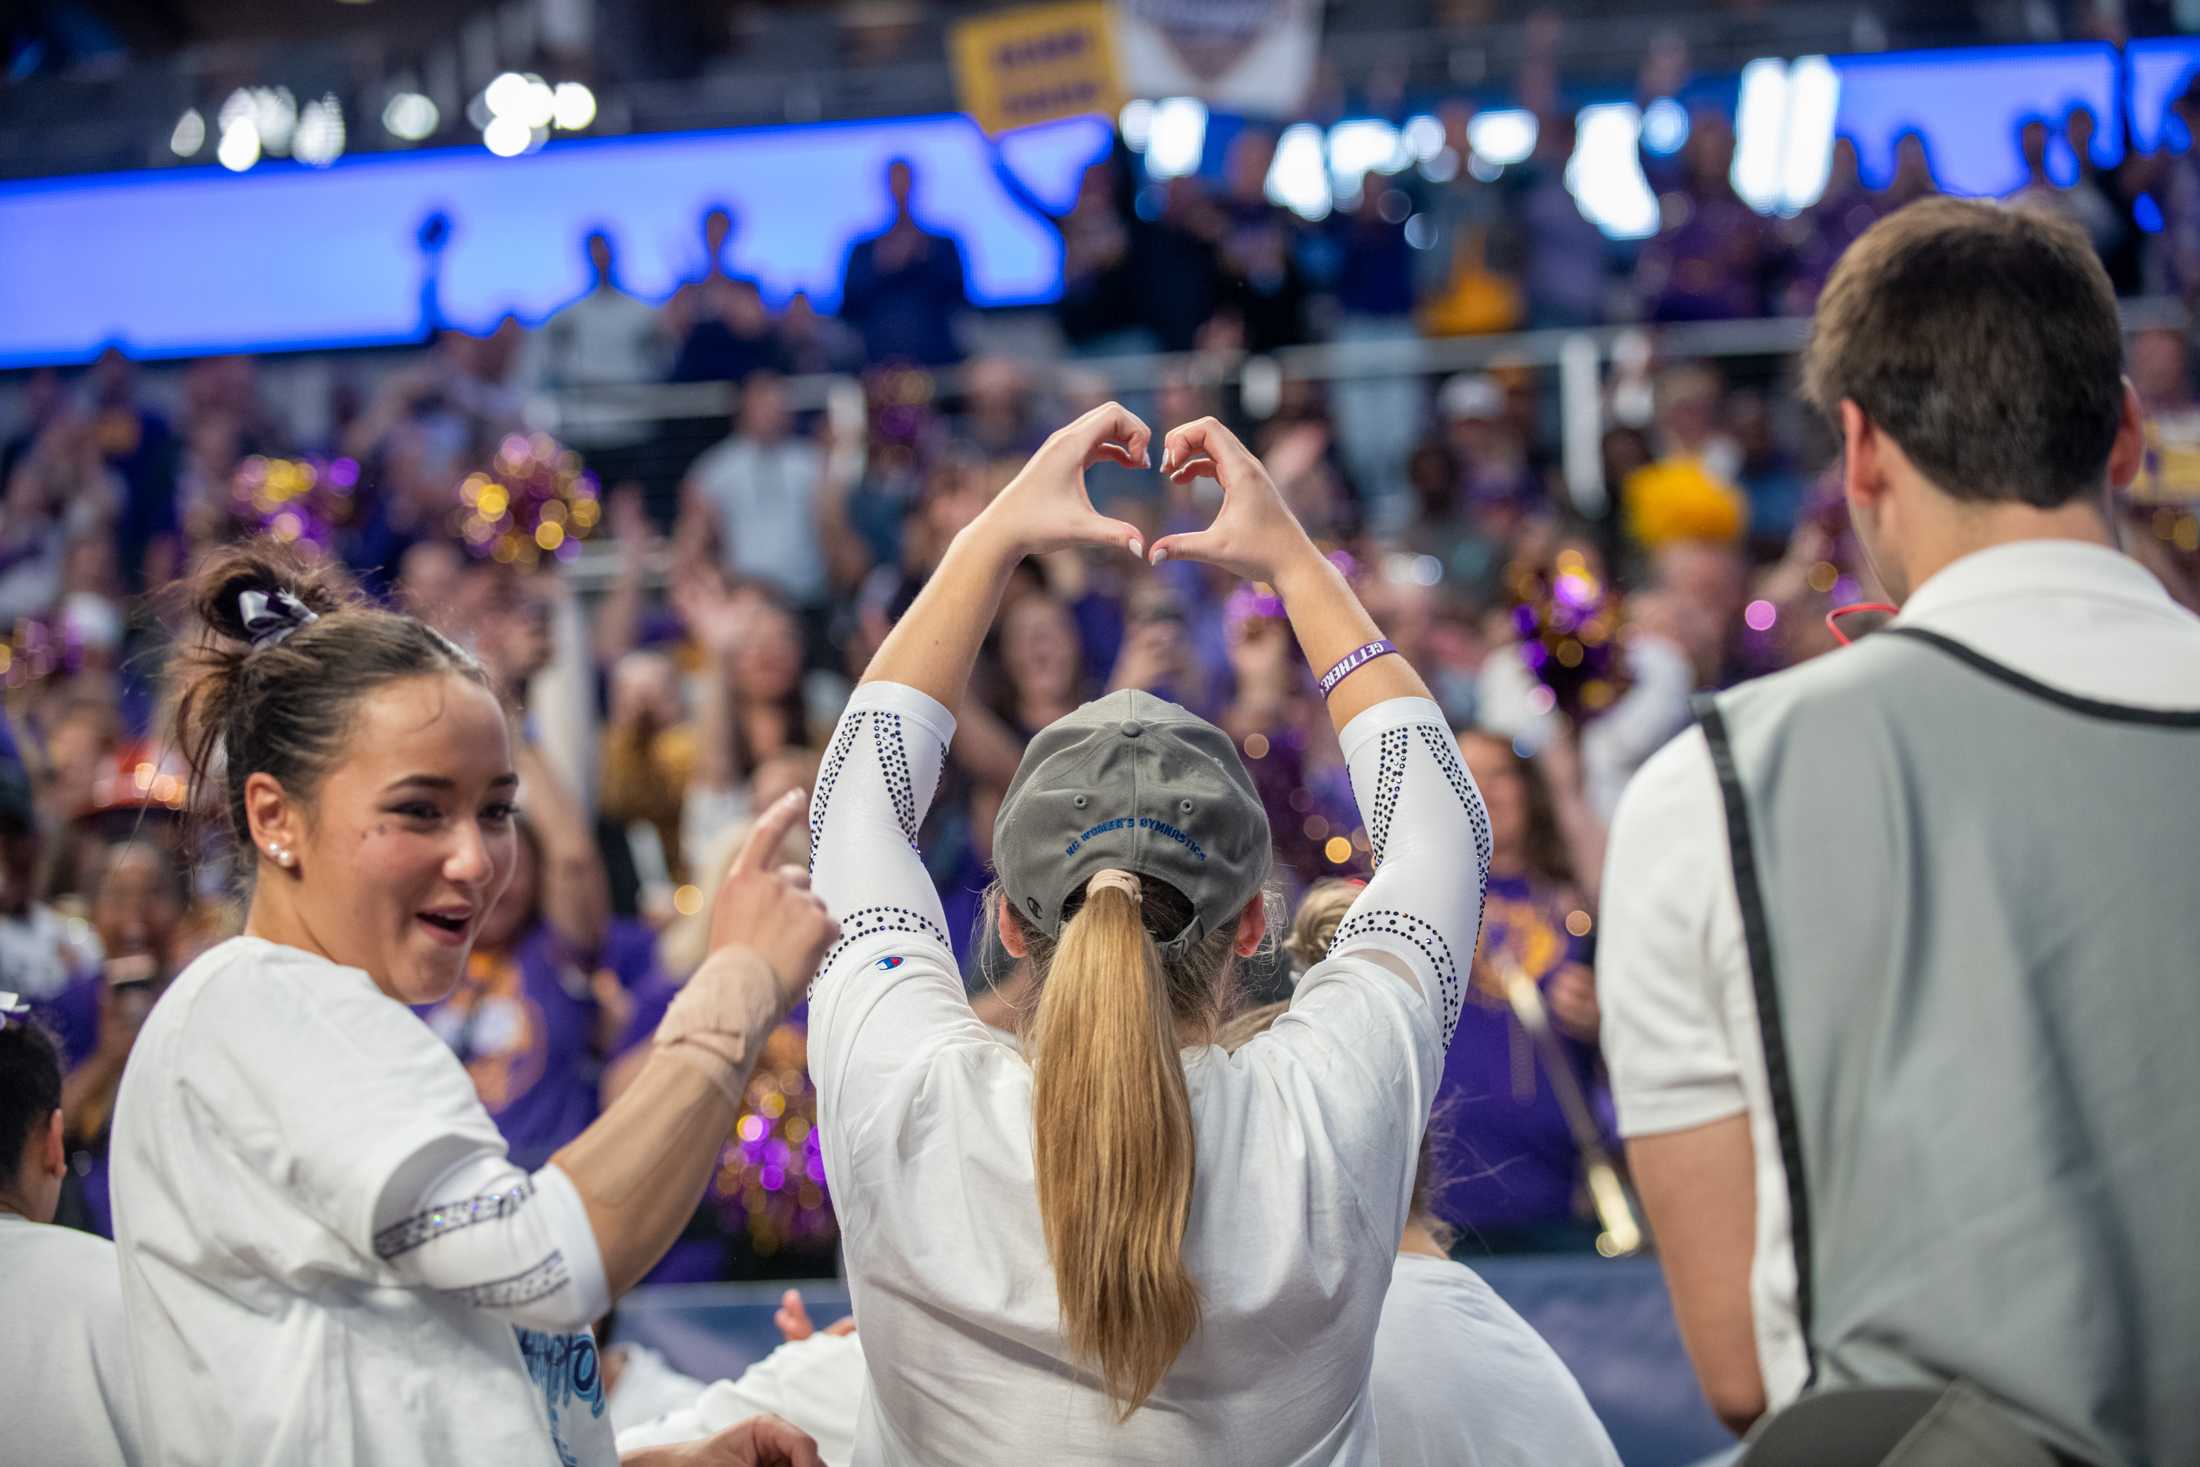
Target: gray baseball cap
1132,782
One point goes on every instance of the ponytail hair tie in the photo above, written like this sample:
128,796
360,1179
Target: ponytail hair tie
1123,881
270,616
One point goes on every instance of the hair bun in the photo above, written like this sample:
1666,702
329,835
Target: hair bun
258,594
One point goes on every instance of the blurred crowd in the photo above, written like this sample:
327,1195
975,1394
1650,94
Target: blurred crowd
695,671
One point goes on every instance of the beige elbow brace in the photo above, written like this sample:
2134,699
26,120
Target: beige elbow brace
719,1020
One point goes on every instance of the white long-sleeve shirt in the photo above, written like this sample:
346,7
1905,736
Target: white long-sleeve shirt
1306,1136
1680,1030
325,1254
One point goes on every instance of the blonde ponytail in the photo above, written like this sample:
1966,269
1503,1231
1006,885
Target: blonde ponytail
1113,1141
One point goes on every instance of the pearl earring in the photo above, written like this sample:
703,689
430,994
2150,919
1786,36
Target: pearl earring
279,855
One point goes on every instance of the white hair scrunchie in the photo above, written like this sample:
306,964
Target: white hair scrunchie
1123,881
270,616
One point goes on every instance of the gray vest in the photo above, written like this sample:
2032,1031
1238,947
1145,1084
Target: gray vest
1972,910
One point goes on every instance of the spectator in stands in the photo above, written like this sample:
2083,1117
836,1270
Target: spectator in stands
1262,282
1565,260
606,335
1497,488
649,755
523,623
1913,173
1377,415
2033,137
1768,473
2100,198
536,1021
66,1347
732,336
1468,270
754,498
1508,1174
902,288
1042,675
1102,293
1179,277
1815,238
755,702
1714,256
139,908
997,419
139,446
2177,269
1688,492
811,343
50,961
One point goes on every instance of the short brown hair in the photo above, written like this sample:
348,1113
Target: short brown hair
1983,338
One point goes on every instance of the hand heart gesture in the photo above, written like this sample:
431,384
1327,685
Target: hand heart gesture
1255,535
1046,506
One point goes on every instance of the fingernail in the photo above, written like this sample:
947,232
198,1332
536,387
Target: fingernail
1138,547
1160,553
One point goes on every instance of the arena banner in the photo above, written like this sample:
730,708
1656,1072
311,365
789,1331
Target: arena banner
1254,57
1036,63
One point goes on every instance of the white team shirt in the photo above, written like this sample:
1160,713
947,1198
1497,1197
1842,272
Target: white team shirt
817,1384
1306,1136
1461,1380
64,1349
274,1106
1680,1030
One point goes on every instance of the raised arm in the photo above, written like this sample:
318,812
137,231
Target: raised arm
1421,914
640,1169
1256,536
1045,507
884,762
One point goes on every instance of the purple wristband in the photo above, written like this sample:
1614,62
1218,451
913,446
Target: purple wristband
1353,661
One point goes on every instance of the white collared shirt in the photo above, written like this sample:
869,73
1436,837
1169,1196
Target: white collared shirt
1680,1017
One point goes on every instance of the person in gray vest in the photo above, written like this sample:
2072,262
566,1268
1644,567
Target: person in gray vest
1900,969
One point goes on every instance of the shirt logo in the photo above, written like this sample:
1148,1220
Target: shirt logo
887,965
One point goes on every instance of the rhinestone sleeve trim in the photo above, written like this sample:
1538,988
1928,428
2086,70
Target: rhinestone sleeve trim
1390,778
1423,935
893,762
522,1288
870,921
836,760
1446,754
444,1218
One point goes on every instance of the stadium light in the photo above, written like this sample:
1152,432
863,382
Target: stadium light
507,136
1503,136
573,106
1177,137
506,96
1604,175
410,117
239,148
190,134
1298,177
319,140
